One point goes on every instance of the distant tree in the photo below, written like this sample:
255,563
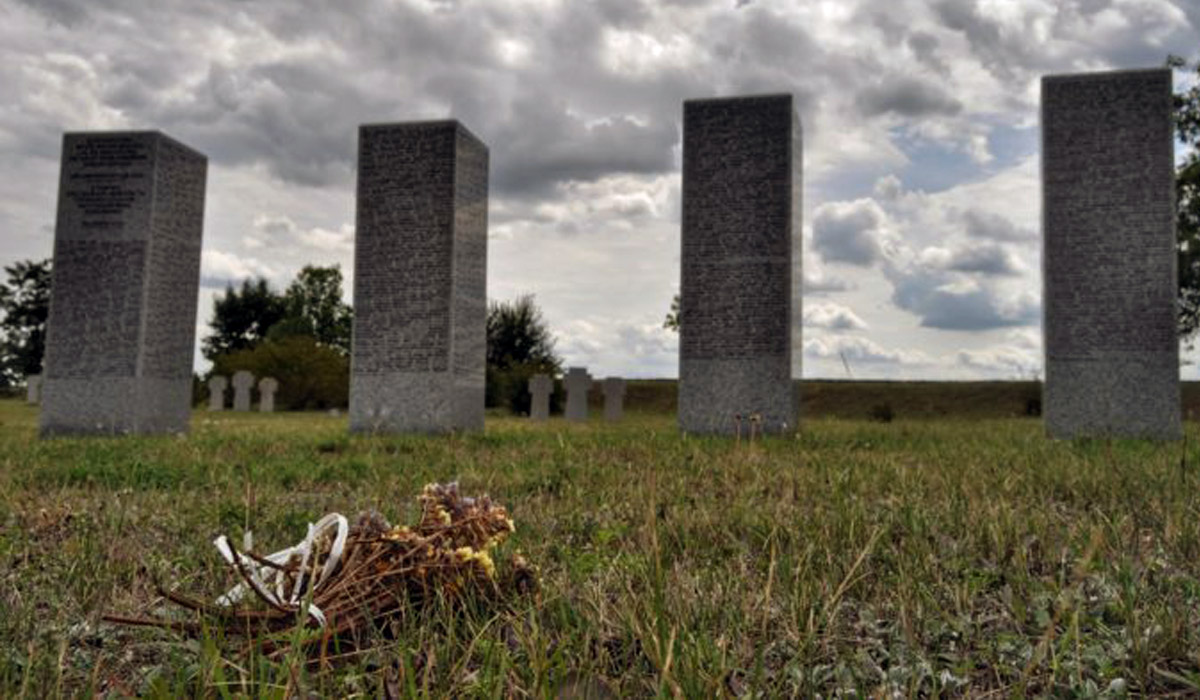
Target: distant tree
1187,201
242,317
519,345
671,322
314,307
25,303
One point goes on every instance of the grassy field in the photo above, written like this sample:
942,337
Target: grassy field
910,558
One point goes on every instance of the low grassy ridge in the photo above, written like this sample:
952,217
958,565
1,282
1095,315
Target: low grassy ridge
916,557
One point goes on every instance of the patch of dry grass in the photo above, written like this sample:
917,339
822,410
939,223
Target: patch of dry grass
911,558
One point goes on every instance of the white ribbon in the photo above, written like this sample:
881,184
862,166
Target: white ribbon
261,576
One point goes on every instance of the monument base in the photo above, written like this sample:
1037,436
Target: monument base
115,406
415,402
712,393
1117,397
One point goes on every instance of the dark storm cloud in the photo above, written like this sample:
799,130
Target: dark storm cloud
933,295
284,84
297,111
986,259
907,97
1017,50
925,48
988,226
819,285
849,232
565,112
543,144
999,52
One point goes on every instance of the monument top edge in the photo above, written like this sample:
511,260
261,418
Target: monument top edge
737,98
155,133
1107,74
421,124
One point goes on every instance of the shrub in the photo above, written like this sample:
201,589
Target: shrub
519,345
310,375
509,387
882,412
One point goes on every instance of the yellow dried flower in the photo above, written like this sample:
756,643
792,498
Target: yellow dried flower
398,533
489,566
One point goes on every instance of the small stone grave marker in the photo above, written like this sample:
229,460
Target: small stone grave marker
578,382
614,398
266,394
216,392
541,386
33,389
243,381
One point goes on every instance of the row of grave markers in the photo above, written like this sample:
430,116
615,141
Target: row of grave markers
541,386
121,328
578,383
243,382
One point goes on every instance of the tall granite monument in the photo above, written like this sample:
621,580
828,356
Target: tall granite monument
1108,231
740,304
420,279
122,324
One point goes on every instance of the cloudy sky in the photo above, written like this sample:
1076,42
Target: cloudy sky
921,201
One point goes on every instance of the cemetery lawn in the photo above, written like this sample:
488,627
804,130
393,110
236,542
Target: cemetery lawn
918,557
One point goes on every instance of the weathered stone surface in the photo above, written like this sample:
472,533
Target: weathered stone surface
33,389
243,382
267,387
122,324
541,386
216,392
1112,354
420,279
614,398
741,246
577,383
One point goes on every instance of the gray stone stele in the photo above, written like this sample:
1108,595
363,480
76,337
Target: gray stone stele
614,398
420,279
33,389
577,383
541,386
243,382
267,386
122,324
740,301
1109,260
216,392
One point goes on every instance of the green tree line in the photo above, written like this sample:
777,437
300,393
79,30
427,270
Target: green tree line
300,336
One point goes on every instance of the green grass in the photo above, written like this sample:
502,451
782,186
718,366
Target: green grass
930,558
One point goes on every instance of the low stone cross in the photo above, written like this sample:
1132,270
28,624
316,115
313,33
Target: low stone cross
267,387
243,381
